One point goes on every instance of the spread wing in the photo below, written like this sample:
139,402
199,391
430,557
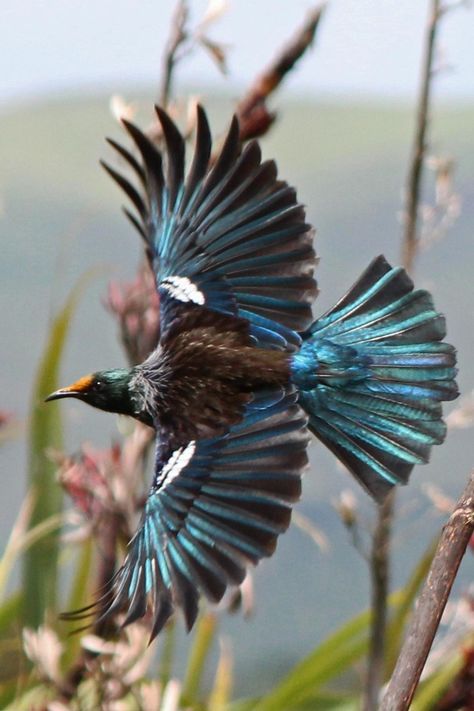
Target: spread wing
230,236
215,506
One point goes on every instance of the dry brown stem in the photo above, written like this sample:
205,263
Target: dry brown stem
415,173
431,603
177,37
380,588
381,543
252,111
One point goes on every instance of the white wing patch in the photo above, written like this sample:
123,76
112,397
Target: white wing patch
176,463
183,289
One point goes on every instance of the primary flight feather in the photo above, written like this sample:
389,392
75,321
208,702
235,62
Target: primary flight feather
242,373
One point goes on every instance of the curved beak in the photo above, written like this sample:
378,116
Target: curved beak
62,392
75,390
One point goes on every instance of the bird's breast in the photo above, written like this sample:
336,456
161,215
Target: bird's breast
205,376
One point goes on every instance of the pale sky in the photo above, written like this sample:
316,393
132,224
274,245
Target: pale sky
364,47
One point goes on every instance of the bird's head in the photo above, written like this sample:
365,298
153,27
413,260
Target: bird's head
108,390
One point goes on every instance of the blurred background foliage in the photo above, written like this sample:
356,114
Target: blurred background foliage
302,642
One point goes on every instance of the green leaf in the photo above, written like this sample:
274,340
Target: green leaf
21,540
11,649
80,588
318,702
79,597
203,638
168,642
243,705
330,702
9,691
222,687
41,561
327,661
35,698
10,611
11,549
89,694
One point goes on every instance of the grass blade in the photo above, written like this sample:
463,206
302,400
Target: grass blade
329,702
329,660
168,641
11,549
326,662
11,650
41,560
22,538
222,688
80,588
79,596
9,612
203,638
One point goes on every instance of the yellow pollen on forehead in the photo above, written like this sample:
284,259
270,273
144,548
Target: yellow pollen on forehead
80,385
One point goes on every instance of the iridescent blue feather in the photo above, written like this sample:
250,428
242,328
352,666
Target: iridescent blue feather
214,507
373,372
231,227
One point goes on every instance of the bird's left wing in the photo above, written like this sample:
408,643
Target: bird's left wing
228,235
215,507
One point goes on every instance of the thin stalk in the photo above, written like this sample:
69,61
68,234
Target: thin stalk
431,603
380,559
168,639
203,638
415,172
178,36
381,543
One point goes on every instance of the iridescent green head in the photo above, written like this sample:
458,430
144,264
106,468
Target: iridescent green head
107,390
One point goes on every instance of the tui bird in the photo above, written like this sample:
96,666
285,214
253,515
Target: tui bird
241,372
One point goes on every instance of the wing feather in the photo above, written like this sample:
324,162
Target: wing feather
215,507
230,230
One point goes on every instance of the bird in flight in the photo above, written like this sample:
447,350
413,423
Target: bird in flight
242,373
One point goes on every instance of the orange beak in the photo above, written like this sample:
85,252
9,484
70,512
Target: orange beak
80,386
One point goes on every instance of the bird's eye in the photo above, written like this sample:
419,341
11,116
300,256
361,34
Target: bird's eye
98,385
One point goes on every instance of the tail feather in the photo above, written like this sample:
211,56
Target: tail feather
379,374
383,305
409,319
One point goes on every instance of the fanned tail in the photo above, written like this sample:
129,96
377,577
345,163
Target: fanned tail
372,374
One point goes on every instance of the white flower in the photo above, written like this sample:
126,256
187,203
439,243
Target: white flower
44,649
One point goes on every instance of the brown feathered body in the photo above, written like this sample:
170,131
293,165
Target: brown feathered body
207,367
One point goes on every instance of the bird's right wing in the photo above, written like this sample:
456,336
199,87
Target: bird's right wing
215,507
228,236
